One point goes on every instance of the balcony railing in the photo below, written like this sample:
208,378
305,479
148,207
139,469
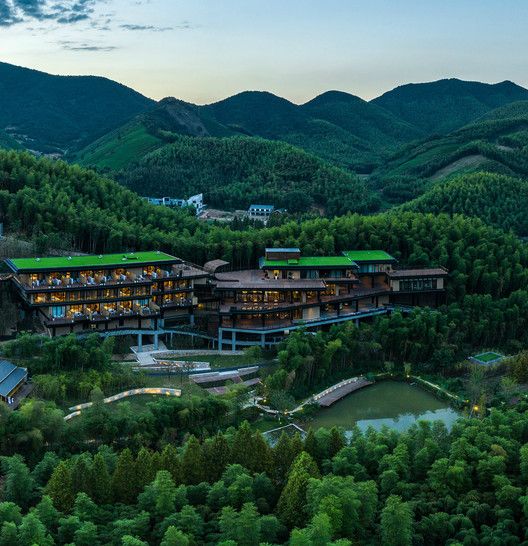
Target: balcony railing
105,316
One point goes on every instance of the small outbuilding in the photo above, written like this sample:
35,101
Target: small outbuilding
12,379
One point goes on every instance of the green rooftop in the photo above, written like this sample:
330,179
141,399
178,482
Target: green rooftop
89,262
368,255
311,261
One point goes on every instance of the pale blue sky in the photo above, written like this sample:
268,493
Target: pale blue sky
205,50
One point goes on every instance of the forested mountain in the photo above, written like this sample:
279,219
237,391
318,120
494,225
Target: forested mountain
498,200
265,115
497,142
445,105
247,114
147,132
366,120
235,172
49,113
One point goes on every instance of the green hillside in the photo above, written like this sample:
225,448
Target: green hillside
120,147
497,142
265,115
446,105
145,133
235,172
498,200
50,113
366,120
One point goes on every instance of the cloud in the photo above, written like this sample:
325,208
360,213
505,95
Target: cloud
152,28
60,11
8,16
85,46
184,25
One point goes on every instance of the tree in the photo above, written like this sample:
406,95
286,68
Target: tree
100,481
170,461
19,485
291,506
32,531
174,537
47,513
85,508
60,487
86,535
396,522
192,462
248,526
129,540
123,480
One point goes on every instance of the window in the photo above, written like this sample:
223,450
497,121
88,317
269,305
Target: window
58,312
416,285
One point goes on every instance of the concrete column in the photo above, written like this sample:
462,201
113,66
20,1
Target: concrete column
156,341
263,340
233,341
220,340
140,342
357,323
191,319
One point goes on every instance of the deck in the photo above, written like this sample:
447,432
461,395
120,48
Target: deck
335,393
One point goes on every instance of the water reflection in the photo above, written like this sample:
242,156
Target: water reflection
388,403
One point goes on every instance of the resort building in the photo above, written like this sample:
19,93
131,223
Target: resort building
292,291
134,290
154,293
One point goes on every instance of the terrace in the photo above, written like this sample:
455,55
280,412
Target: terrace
102,313
256,279
284,319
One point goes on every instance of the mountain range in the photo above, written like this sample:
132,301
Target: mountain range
103,123
256,145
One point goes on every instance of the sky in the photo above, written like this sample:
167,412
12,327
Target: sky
205,50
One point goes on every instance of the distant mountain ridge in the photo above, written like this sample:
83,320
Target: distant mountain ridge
101,123
49,113
445,105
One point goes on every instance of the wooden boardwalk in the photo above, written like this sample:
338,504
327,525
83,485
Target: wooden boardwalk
333,394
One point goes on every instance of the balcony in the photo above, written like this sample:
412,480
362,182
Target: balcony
81,283
105,315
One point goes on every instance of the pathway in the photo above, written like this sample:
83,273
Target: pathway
76,410
325,398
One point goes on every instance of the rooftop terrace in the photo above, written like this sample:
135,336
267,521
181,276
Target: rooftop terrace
368,256
53,263
310,261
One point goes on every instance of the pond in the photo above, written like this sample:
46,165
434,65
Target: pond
395,404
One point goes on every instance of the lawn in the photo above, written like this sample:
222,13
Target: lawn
487,357
222,360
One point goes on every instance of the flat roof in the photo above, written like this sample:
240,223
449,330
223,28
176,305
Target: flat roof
310,261
275,249
369,256
80,262
261,206
253,279
424,272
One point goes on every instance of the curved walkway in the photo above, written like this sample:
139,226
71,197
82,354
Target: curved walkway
76,410
331,394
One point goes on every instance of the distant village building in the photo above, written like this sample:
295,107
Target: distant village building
12,378
195,201
260,212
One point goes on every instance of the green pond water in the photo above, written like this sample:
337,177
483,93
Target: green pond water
391,403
